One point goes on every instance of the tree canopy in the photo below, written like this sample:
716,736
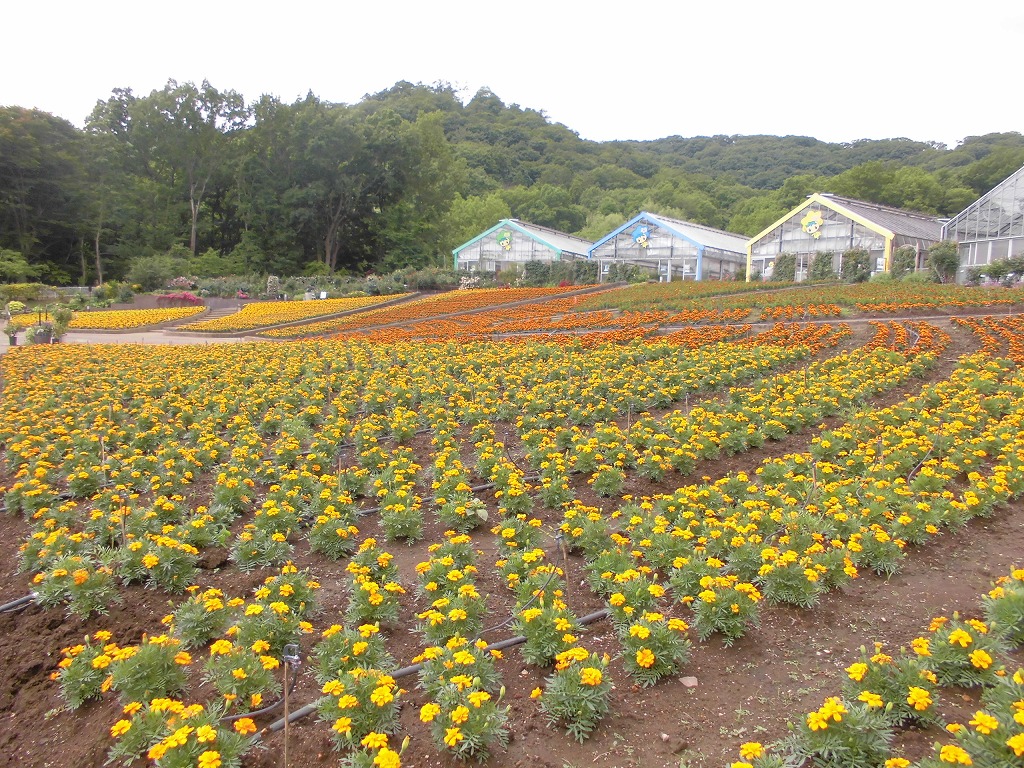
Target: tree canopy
402,177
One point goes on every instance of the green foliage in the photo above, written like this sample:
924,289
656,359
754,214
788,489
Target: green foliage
842,735
856,265
155,669
903,262
785,268
1004,608
821,267
83,670
944,260
359,702
576,695
343,649
21,292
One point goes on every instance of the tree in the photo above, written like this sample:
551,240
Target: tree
14,267
944,260
41,183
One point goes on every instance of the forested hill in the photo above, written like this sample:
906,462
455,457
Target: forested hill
401,178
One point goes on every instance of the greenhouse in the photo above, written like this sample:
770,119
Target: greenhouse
671,249
992,228
511,243
827,226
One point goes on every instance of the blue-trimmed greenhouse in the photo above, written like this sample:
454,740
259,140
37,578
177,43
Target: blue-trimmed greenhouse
511,243
671,249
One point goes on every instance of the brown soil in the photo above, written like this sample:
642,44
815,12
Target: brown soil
774,674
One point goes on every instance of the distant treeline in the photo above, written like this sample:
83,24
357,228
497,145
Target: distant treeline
195,174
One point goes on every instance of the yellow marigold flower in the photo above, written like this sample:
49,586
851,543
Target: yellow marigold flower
1016,743
132,707
476,698
460,715
857,671
387,758
951,753
239,674
245,726
981,659
984,723
617,599
101,662
897,762
374,740
816,721
382,696
960,637
348,701
536,693
751,750
429,711
919,698
639,630
453,736
221,647
645,658
183,658
205,733
590,676
120,728
260,646
873,700
209,759
342,725
921,646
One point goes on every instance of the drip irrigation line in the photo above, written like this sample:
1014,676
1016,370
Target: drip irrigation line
15,604
309,709
291,665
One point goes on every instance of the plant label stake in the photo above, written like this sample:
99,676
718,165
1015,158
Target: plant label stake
290,656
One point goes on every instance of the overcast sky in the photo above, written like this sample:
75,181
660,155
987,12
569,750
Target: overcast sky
932,71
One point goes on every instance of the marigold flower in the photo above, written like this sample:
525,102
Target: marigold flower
857,671
209,759
429,711
919,698
980,659
120,728
951,753
751,750
382,696
453,736
374,740
245,726
984,723
645,658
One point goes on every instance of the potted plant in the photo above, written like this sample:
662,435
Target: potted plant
12,333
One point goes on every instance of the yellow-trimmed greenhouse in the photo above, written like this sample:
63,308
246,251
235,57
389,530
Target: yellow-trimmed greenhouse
831,225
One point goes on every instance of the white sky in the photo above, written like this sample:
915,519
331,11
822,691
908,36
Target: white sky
838,71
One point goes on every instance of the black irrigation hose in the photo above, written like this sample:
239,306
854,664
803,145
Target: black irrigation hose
309,709
294,667
14,604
